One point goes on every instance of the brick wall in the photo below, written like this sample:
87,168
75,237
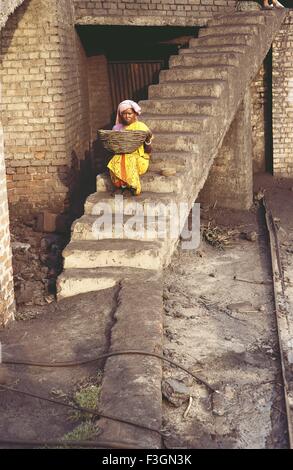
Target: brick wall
149,12
257,121
44,106
74,102
261,117
7,306
283,99
99,93
100,108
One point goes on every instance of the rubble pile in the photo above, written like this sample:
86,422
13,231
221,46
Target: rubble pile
37,261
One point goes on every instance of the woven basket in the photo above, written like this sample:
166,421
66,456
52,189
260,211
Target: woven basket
122,141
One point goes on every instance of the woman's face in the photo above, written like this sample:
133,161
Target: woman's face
128,116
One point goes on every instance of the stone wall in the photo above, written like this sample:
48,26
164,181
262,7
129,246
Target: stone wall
150,12
44,106
283,99
7,306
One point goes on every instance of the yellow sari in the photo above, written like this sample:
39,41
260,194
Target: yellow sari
125,169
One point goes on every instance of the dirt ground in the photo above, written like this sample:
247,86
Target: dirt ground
221,328
225,331
75,329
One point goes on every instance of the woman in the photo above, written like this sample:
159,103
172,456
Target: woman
125,169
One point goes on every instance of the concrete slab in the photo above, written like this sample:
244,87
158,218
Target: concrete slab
138,397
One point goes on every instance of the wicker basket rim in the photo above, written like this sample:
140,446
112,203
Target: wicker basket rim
111,132
122,142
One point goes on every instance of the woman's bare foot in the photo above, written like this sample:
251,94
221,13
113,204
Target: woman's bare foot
116,192
266,5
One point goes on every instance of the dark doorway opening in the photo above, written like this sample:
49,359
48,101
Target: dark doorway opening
135,55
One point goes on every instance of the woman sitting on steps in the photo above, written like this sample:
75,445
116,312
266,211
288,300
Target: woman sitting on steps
125,169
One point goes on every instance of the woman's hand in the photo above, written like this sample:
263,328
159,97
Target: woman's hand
149,138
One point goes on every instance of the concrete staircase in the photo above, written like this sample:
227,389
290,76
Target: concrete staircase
189,112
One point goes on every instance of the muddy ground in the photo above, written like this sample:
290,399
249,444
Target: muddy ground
224,330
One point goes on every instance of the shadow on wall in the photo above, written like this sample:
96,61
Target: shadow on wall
80,180
100,157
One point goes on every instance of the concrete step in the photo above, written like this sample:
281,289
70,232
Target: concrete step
80,281
146,203
177,160
223,39
180,161
220,72
114,253
170,142
124,227
152,181
185,89
253,18
178,106
198,58
165,123
217,48
230,29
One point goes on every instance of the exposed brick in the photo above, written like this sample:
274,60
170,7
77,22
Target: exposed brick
199,11
44,80
282,90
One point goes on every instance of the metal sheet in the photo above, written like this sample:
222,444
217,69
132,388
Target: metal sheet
130,80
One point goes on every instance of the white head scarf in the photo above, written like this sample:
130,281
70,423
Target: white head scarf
126,105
